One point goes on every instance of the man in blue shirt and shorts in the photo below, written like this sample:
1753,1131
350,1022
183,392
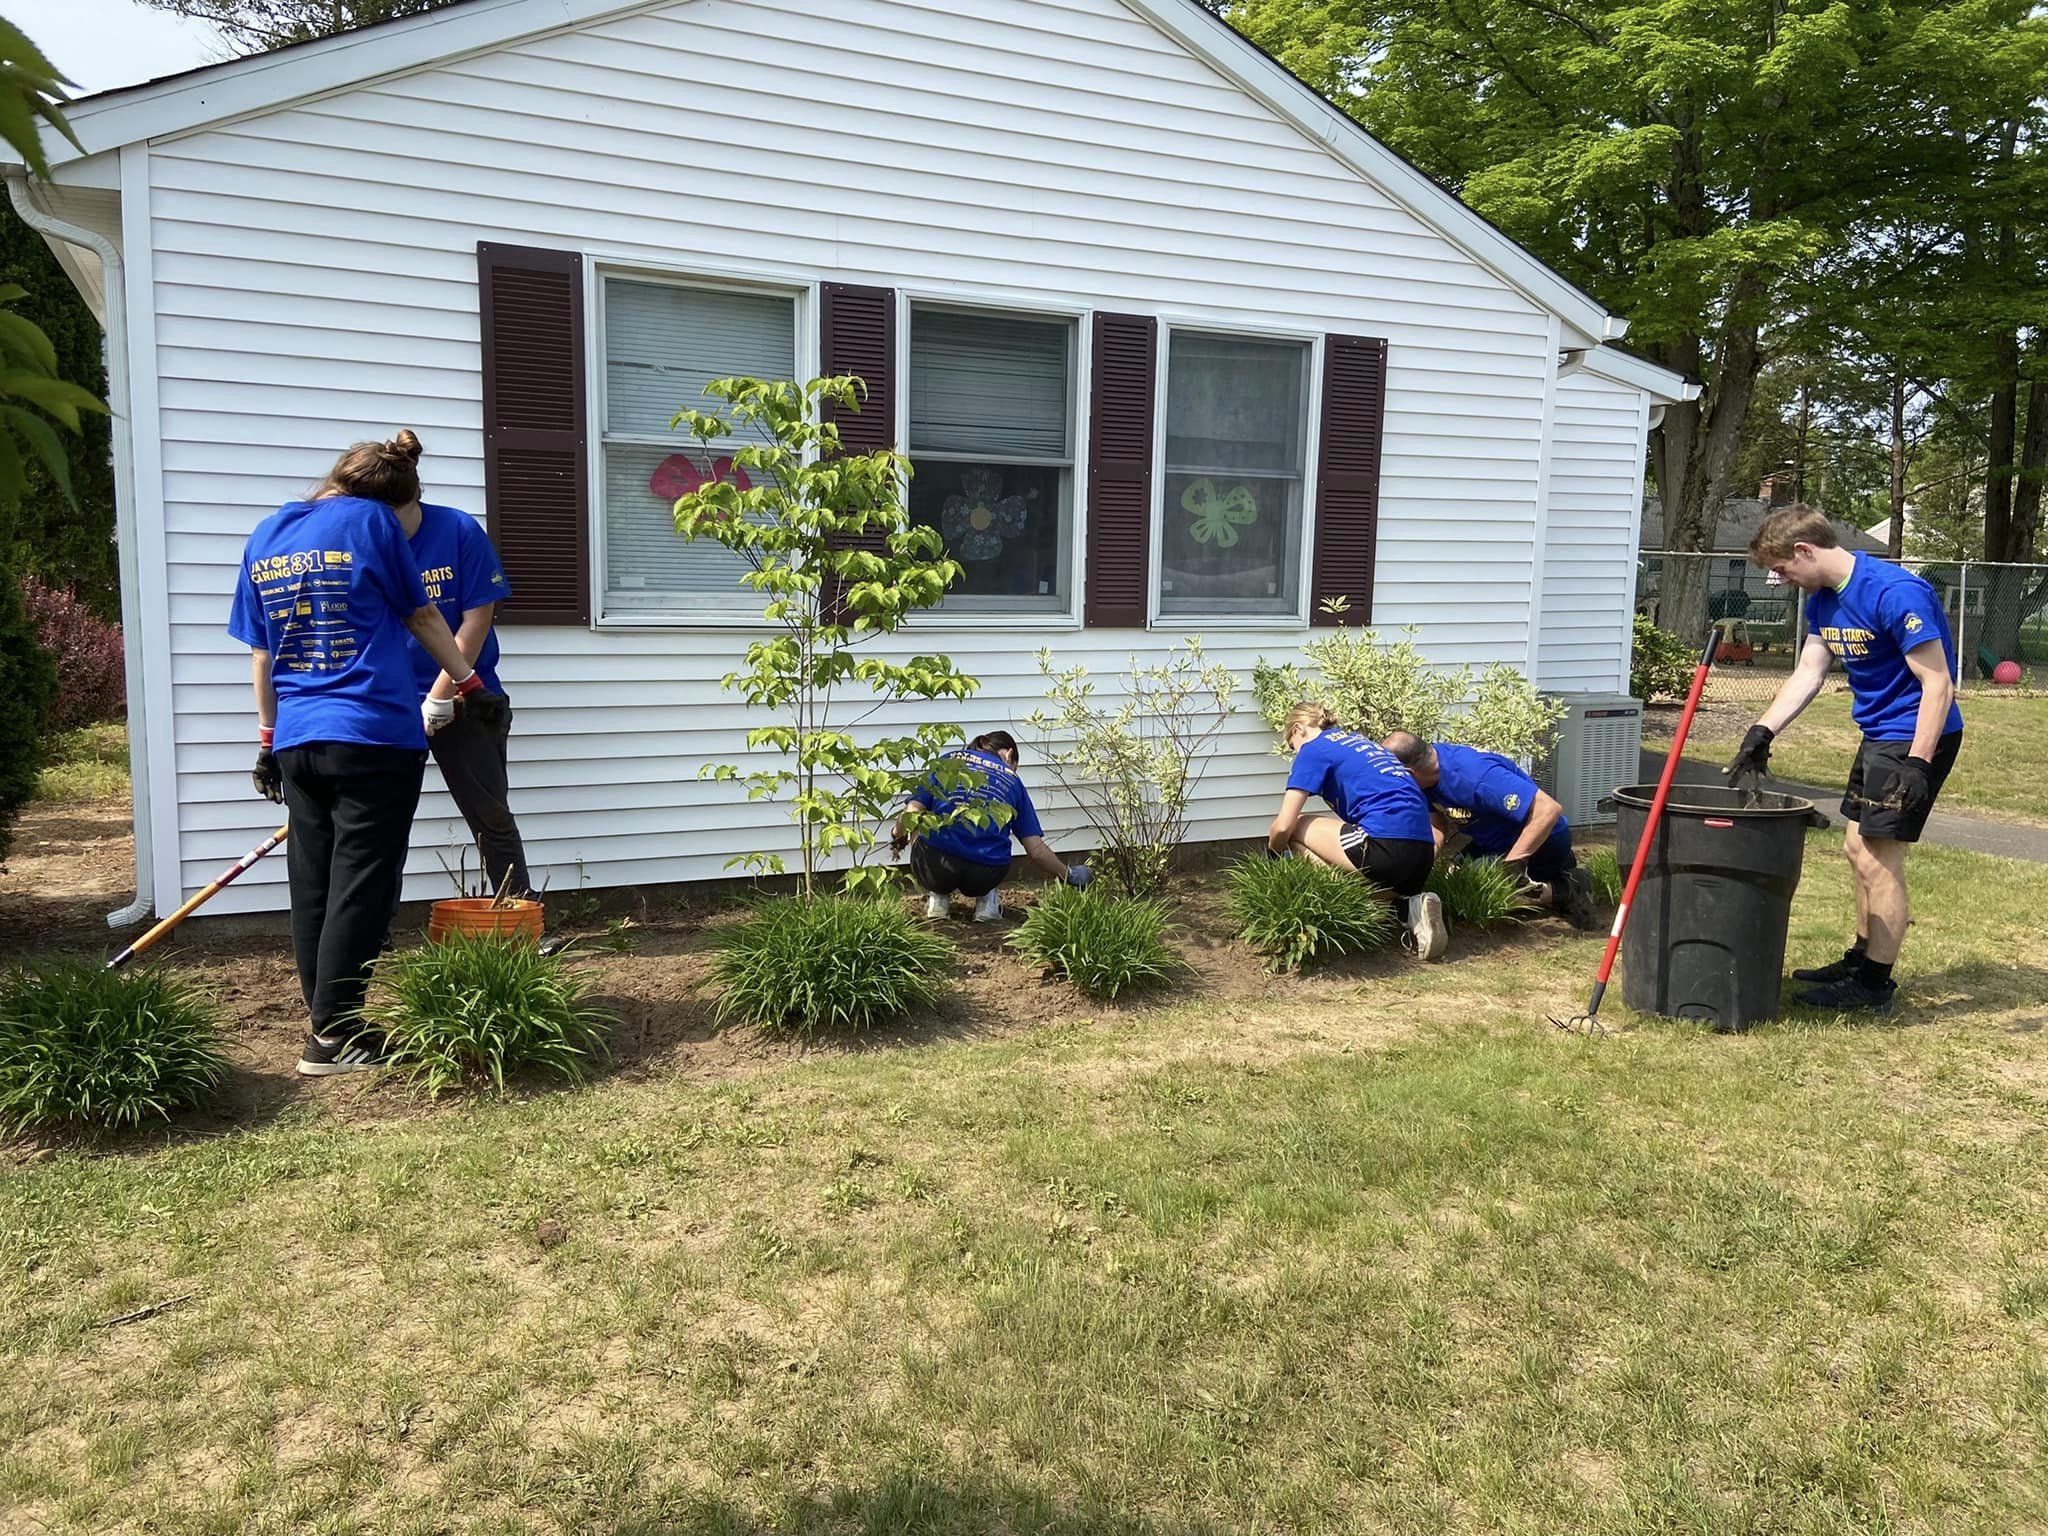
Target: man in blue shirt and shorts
1887,628
1506,816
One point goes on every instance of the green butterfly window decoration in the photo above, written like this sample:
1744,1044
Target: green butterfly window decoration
1218,512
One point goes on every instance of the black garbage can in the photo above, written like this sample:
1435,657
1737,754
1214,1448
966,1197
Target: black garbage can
1706,939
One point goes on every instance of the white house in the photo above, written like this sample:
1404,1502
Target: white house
1107,268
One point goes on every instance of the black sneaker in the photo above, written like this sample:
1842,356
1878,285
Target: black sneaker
1575,899
1834,970
328,1055
1850,996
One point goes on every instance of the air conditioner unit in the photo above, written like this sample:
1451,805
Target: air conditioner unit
1599,749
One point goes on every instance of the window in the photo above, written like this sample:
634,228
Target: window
663,342
991,441
1236,436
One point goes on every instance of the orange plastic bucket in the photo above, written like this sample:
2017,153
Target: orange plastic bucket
479,917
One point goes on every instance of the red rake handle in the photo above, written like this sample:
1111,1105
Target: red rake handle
1635,874
225,878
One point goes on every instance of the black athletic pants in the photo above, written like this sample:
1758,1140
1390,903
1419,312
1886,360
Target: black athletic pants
471,756
351,819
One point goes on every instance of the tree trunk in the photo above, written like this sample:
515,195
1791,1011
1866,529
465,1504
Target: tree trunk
1895,540
1695,452
1799,463
2010,592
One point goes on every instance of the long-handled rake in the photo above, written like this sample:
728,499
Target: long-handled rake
1589,1022
225,878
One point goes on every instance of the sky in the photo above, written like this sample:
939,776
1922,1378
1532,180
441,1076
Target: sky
102,44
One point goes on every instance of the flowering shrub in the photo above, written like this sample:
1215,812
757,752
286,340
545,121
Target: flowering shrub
91,684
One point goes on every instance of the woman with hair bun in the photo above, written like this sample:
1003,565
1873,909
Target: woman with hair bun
326,595
1381,830
970,854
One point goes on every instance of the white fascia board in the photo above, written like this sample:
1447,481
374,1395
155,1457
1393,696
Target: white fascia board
266,81
1665,387
1583,321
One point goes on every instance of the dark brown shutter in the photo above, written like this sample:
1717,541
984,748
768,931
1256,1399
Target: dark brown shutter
857,335
1348,477
536,469
1120,470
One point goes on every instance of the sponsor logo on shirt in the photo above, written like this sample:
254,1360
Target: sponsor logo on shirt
1913,625
1510,802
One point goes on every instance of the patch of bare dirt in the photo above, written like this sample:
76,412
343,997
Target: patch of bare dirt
72,865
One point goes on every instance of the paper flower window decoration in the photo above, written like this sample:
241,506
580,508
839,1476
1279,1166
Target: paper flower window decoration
678,475
1218,512
979,517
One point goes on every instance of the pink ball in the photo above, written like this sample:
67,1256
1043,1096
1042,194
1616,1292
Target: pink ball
2006,672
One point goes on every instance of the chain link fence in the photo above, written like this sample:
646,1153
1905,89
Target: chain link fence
1998,613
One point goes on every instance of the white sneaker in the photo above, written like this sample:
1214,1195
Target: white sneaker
937,904
1428,935
990,908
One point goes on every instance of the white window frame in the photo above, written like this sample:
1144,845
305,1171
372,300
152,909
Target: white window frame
1025,307
1312,406
745,612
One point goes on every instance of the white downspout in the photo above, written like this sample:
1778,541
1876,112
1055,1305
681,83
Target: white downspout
114,323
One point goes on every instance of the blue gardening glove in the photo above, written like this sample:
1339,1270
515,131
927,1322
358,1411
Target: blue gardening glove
1078,876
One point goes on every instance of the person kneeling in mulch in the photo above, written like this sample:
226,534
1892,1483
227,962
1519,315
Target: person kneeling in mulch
971,857
1507,817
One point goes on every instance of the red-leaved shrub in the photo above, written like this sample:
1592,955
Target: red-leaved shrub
91,683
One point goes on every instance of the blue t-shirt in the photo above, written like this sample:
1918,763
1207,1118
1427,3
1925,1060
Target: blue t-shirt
460,570
325,587
1001,786
1490,788
1364,783
1882,612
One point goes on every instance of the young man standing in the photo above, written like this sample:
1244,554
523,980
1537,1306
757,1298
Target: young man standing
1887,627
1509,818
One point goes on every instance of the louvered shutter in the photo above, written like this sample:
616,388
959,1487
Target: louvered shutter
857,335
1348,477
1120,421
536,467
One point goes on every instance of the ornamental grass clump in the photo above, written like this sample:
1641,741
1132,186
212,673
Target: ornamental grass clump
1295,910
478,1010
1480,893
1604,865
802,968
84,1049
1102,943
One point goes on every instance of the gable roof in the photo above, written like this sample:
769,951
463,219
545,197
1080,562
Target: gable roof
215,93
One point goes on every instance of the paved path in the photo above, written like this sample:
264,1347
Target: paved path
2007,839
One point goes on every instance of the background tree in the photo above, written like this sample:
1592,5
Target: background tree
256,26
1685,164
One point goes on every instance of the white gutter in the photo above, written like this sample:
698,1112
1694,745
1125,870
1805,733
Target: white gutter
114,323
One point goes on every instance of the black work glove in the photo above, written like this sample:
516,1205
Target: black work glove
1754,755
267,777
1913,785
492,711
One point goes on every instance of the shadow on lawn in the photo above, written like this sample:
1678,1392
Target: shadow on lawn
911,1504
1926,997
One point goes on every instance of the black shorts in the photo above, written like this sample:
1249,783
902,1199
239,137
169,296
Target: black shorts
1869,800
945,873
1397,864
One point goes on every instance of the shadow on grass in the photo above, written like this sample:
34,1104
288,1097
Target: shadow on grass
1972,987
910,1504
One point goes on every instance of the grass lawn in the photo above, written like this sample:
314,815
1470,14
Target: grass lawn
2004,737
90,763
1371,1253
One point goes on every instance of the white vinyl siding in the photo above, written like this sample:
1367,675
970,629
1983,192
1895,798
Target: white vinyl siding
1596,507
313,281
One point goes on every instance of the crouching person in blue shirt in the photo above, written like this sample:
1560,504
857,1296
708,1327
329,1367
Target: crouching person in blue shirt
971,857
465,580
1381,830
1506,816
326,595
